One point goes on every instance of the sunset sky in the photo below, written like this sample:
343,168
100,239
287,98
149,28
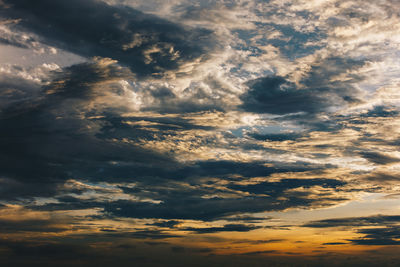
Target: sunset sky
199,133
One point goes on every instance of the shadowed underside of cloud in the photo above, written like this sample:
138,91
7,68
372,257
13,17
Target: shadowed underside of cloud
32,225
66,133
183,201
277,96
145,43
379,158
379,236
387,232
51,251
13,89
140,234
272,188
383,177
46,140
276,137
225,228
315,93
166,224
355,221
195,192
381,111
191,205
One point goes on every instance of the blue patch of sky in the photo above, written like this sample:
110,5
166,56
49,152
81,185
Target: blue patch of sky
292,44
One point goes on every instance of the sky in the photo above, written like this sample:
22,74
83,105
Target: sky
199,133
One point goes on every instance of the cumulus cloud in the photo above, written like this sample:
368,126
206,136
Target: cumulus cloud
148,45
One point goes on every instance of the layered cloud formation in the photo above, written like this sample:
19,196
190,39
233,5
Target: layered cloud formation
216,128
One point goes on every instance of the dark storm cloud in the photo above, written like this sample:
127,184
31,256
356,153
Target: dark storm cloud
317,91
355,221
147,44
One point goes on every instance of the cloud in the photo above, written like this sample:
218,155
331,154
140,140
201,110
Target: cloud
76,128
210,202
334,243
19,85
260,252
146,234
163,140
166,224
381,111
379,158
276,137
378,237
148,45
355,221
276,188
277,96
46,134
318,90
245,218
35,250
382,177
43,226
8,37
225,228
